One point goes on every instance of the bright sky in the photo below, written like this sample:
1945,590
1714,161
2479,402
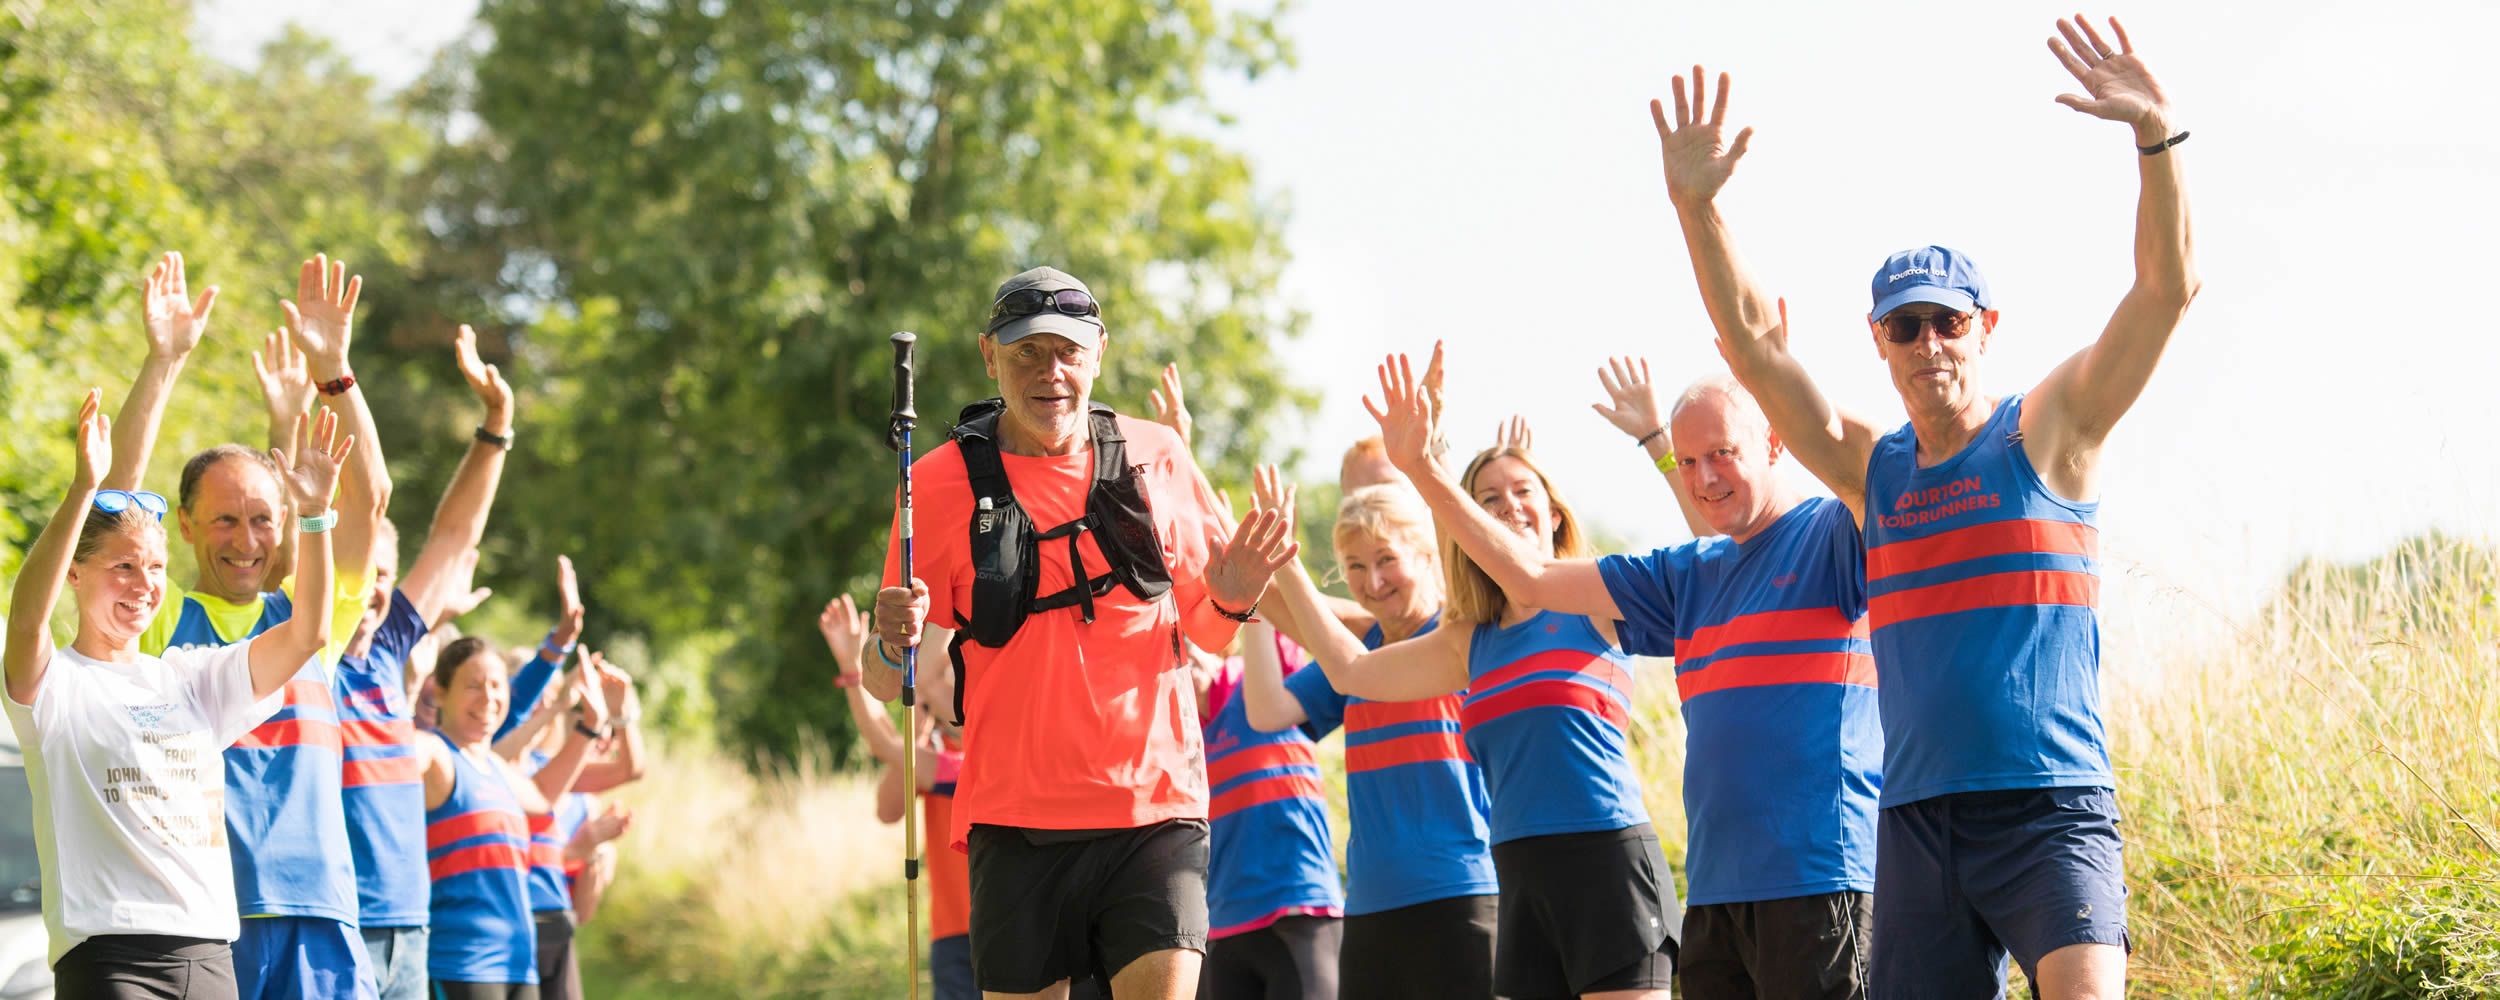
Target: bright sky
1486,174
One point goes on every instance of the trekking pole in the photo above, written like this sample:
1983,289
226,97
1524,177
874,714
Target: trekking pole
898,437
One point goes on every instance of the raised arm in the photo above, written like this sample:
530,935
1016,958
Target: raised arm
557,777
1269,707
1170,410
175,322
619,761
2071,413
845,630
40,578
323,324
1571,586
460,519
1427,666
1636,412
1236,576
286,389
560,642
310,472
1752,327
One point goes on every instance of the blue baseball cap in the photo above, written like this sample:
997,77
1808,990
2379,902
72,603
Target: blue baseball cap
1940,275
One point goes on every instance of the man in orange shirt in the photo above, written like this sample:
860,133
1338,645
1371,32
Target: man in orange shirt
1083,795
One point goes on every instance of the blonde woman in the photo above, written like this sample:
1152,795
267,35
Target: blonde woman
1588,908
123,748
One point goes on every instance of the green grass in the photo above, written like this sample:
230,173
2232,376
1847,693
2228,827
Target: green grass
2311,814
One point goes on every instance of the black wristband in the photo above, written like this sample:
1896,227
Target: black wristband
1245,616
503,441
595,734
2159,147
1649,437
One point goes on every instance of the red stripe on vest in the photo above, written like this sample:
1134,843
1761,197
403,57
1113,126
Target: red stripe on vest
476,824
1787,668
1414,749
545,855
369,733
1259,758
1800,625
382,771
1364,715
1994,590
480,858
1575,661
1979,541
1546,694
290,733
1262,791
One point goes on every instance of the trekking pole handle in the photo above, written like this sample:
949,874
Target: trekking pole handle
898,434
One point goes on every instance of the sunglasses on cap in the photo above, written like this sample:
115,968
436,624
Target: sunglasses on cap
1902,328
1025,302
117,501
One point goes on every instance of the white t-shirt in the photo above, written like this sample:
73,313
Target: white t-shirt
128,768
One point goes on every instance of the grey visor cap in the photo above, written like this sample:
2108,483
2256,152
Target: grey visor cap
1049,279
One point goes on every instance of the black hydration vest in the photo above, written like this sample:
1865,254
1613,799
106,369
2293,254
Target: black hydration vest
1006,550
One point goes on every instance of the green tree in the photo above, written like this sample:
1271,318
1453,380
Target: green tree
710,215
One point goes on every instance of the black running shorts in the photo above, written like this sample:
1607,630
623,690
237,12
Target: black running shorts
1583,913
1381,951
1049,905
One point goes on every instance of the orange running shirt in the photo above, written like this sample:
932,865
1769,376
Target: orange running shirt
1073,726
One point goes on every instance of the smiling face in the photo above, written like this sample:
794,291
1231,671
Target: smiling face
1047,381
470,701
232,526
1395,580
1728,458
1515,495
1934,373
120,583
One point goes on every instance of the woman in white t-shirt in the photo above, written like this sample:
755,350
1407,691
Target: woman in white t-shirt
125,751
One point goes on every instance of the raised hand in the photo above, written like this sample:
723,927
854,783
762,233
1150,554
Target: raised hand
1259,544
459,598
484,379
1698,156
1170,411
605,827
324,319
95,443
1405,416
592,705
1269,491
175,320
846,631
1635,410
569,604
2122,88
286,382
616,687
1514,433
311,473
1434,377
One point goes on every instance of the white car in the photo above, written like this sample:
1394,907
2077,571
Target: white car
24,975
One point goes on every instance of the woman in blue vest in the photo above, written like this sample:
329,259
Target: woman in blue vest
1588,906
477,809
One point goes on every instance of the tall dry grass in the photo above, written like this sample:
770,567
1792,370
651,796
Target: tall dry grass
2311,812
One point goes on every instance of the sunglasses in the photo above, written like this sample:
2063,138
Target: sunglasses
1902,328
117,501
1025,302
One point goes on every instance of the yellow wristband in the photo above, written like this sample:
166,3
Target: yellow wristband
1666,462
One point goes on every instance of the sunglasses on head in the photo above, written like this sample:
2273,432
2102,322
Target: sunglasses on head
1025,302
1902,328
117,501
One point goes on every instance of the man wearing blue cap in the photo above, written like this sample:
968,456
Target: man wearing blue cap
1998,831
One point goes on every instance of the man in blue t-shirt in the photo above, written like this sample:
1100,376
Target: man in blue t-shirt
1767,624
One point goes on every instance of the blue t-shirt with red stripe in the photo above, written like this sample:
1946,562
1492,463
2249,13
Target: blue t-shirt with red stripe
383,781
477,848
286,825
550,887
1415,799
1269,851
1983,589
1783,747
1548,706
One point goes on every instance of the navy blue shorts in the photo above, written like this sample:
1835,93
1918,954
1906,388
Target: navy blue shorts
1961,880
